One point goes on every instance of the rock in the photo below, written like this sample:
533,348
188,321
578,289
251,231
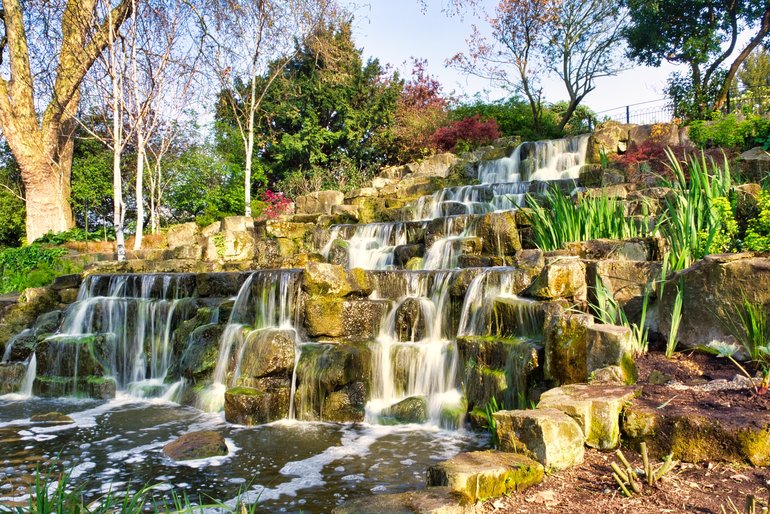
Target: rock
210,230
517,317
47,323
184,234
433,500
364,192
267,401
611,137
549,436
231,246
11,377
346,211
319,202
201,350
754,164
482,475
499,233
237,224
691,435
288,229
357,319
638,249
52,418
71,356
268,353
712,287
324,369
219,285
326,279
66,282
410,410
531,262
438,165
404,253
565,335
596,408
410,321
196,445
562,278
611,345
627,281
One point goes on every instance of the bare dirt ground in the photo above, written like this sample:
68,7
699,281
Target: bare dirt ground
708,487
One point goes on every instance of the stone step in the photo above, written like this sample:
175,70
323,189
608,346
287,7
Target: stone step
596,408
433,500
481,475
549,436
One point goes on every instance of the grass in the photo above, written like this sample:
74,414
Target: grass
691,223
676,320
560,220
55,493
608,311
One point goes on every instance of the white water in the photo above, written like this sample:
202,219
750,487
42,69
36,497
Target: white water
266,300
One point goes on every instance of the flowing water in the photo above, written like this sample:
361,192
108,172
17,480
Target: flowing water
122,327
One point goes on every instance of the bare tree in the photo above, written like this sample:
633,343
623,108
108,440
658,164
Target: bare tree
249,43
39,95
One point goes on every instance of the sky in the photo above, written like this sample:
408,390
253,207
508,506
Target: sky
395,30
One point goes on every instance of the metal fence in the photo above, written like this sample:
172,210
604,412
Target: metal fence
642,113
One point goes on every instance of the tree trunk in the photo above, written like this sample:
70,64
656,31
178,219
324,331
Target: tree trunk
47,188
139,190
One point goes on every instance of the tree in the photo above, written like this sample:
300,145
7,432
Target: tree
35,77
755,71
11,199
577,40
249,40
700,34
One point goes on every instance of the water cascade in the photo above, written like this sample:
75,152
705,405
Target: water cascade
120,327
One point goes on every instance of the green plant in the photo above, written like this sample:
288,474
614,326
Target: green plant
676,319
692,221
560,220
748,324
604,160
31,266
491,425
608,311
758,229
630,481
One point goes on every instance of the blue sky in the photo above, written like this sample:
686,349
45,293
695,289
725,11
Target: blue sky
395,30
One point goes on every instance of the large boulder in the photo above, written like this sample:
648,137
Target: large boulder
596,408
713,289
181,235
268,353
610,137
354,319
409,410
265,401
498,230
563,277
481,475
548,435
196,445
566,345
439,165
319,202
754,164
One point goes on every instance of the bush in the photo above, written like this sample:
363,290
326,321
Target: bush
30,266
76,234
465,134
758,231
731,131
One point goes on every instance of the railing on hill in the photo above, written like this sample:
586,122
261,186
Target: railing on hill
653,111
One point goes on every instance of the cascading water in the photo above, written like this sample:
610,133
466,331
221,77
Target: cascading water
504,186
126,322
419,359
266,300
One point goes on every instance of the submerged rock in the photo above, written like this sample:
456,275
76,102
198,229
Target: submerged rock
51,417
433,500
410,410
196,445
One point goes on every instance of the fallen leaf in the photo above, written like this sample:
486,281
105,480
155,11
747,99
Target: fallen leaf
547,498
740,478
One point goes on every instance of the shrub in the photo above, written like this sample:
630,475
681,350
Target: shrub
275,204
30,266
730,131
468,132
758,231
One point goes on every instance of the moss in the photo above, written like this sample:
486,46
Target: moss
628,366
323,316
755,446
244,391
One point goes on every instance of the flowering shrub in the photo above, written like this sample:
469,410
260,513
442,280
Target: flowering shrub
276,204
465,133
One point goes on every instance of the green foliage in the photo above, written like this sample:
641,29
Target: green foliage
54,492
676,320
491,425
608,311
91,181
30,266
12,209
560,220
758,231
693,222
730,131
207,187
76,234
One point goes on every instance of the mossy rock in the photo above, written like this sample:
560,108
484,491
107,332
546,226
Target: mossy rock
196,445
479,476
410,410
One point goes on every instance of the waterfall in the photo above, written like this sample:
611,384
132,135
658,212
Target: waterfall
266,300
29,377
422,362
132,318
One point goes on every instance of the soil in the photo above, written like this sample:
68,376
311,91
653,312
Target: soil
689,381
